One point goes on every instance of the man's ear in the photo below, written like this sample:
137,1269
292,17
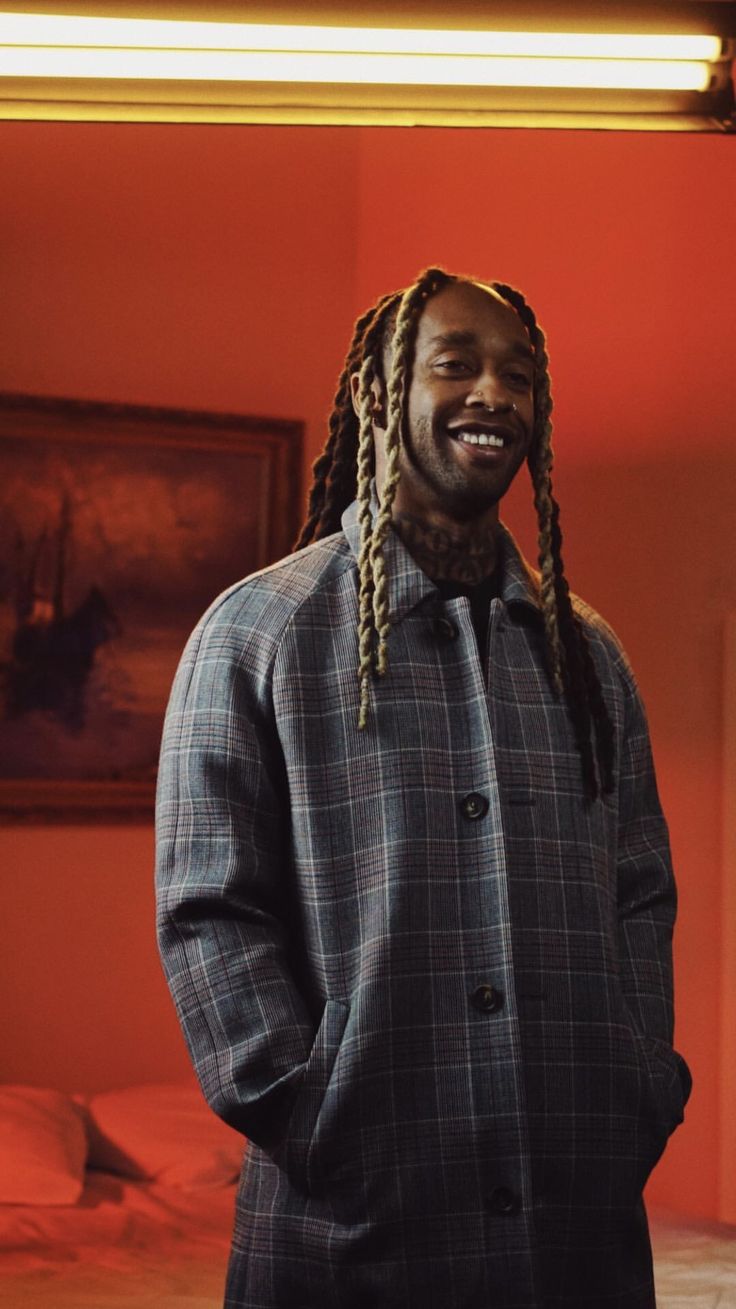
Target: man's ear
378,408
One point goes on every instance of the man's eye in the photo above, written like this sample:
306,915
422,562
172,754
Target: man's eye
520,379
452,364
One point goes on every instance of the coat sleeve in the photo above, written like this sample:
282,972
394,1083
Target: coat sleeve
647,897
222,832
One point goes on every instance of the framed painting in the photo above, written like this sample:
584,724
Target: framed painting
119,525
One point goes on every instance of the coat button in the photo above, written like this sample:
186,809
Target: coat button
487,999
503,1201
444,628
474,805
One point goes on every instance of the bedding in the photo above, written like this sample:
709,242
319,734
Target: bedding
123,1245
163,1133
43,1147
146,1223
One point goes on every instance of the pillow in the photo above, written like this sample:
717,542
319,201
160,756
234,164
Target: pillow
43,1147
166,1134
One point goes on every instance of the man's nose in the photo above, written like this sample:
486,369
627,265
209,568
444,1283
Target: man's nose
489,391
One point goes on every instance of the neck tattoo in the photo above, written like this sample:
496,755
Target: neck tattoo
466,556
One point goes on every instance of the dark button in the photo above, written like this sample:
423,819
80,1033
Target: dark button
473,805
487,999
503,1201
444,628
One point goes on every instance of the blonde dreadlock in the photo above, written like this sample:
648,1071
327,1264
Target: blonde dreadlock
372,565
345,470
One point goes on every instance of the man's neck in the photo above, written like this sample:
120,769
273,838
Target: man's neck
464,553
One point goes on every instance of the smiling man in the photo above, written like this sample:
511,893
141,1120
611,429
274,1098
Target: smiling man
415,898
470,408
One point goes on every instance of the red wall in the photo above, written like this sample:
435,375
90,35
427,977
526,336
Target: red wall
222,268
84,1001
192,266
178,265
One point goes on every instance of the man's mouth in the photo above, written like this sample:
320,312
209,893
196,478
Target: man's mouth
487,438
466,437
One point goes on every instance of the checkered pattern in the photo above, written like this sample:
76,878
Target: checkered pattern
333,912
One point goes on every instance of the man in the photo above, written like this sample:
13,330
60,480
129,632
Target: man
415,899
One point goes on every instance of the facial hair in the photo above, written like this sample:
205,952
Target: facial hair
454,490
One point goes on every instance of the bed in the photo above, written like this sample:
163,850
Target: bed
142,1189
120,1199
124,1244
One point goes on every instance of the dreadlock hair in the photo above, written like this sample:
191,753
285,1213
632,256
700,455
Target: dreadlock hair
344,470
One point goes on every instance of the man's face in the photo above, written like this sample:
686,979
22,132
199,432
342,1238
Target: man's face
470,410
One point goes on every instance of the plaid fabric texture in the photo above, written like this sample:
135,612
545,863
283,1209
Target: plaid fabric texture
426,977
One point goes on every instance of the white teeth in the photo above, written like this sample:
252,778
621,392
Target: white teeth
481,438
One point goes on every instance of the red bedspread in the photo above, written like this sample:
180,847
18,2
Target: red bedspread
123,1244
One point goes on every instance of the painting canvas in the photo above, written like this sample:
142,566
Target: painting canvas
118,527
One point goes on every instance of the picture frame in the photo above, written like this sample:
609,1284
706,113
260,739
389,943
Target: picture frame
119,525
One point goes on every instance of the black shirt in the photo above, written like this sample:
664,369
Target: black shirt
480,597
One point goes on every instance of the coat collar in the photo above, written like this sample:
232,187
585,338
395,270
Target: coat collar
408,586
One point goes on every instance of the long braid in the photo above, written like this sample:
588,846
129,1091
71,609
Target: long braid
341,483
373,622
573,640
320,471
334,470
365,519
407,319
605,740
370,371
571,664
540,466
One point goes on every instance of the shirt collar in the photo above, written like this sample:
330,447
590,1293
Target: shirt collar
408,586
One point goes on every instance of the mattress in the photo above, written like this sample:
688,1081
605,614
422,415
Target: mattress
136,1245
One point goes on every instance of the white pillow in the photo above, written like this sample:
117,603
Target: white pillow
43,1147
166,1134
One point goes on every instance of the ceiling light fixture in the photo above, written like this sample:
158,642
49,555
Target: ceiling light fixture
321,73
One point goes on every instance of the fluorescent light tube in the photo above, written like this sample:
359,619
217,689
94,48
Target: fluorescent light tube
416,70
51,30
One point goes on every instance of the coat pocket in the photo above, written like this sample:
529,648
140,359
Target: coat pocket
650,1085
294,1154
669,1078
665,1086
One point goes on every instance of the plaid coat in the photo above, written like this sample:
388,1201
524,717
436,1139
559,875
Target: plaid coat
426,978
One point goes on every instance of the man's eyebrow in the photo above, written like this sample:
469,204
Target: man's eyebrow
449,339
454,338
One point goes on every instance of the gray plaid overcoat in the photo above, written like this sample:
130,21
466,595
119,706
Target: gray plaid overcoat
426,978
